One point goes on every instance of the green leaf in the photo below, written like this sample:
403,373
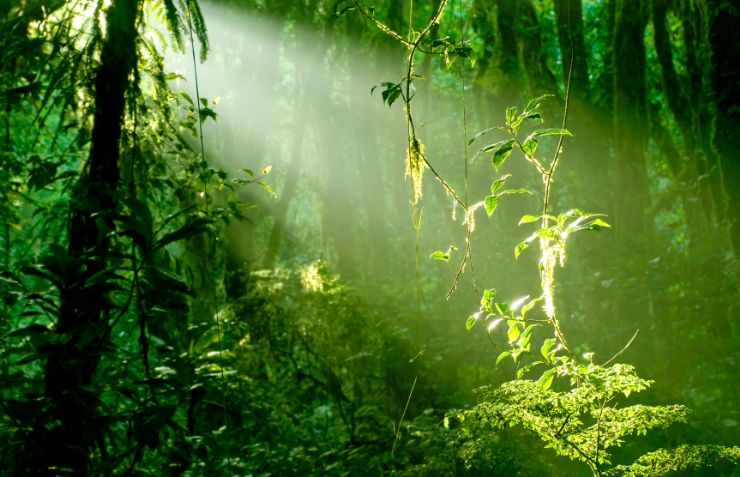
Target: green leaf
29,330
526,219
546,347
529,146
524,117
390,93
266,187
502,356
510,114
440,255
488,296
499,183
514,332
597,224
552,132
526,308
491,204
470,322
160,279
488,148
474,138
190,229
502,153
545,380
206,113
521,190
521,246
535,103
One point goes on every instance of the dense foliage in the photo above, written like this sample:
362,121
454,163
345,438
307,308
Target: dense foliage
216,268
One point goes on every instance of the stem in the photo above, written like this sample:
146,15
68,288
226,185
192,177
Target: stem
547,257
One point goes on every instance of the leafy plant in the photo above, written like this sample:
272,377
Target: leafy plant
574,405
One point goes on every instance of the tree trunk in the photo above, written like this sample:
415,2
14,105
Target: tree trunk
630,119
569,21
540,79
684,169
510,91
724,45
82,324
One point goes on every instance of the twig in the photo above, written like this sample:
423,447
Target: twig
623,349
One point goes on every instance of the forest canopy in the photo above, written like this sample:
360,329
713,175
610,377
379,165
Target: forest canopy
419,237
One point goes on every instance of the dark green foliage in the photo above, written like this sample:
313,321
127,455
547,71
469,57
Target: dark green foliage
139,334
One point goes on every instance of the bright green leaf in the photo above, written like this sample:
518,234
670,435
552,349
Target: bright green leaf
440,255
491,203
552,132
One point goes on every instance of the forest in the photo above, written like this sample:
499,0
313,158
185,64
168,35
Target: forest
338,238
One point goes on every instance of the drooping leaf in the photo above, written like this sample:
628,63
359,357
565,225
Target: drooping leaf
502,152
193,227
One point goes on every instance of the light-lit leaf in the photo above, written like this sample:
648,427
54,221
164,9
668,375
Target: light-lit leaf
597,224
491,204
510,114
546,379
552,132
526,219
520,247
497,184
546,347
493,324
514,332
521,190
440,255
